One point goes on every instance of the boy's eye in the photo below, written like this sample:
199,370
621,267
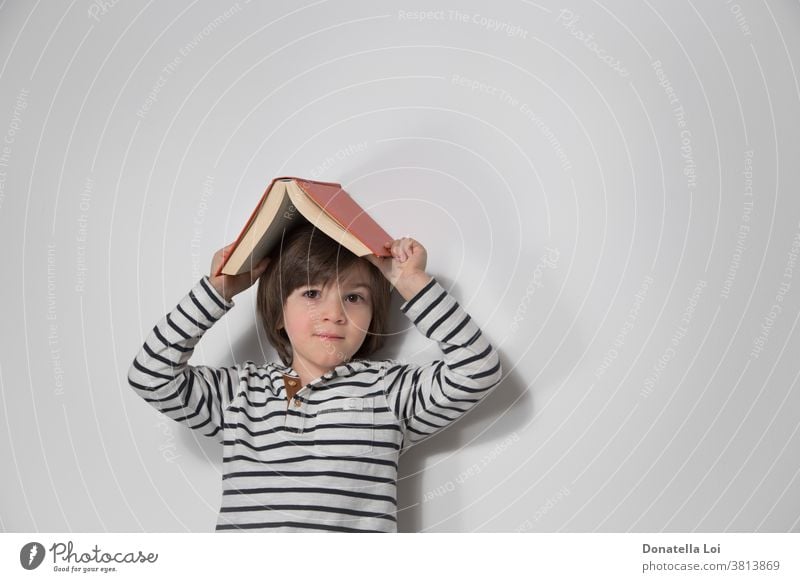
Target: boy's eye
354,298
311,293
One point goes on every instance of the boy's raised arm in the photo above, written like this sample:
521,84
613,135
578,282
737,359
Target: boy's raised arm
160,373
429,397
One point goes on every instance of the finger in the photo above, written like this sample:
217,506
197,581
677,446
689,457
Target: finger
405,248
397,250
377,261
226,250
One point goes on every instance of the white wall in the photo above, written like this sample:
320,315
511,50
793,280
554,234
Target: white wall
578,180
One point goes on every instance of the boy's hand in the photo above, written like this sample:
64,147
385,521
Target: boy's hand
405,269
230,285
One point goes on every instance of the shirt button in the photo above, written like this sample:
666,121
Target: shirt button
297,403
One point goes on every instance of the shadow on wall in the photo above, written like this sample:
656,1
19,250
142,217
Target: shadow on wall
509,409
510,405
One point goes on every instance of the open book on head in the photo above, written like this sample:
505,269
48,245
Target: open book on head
288,202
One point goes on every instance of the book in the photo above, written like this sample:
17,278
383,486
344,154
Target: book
288,202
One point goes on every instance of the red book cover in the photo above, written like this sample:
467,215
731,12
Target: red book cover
338,204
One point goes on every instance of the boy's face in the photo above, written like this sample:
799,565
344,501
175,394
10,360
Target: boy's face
327,325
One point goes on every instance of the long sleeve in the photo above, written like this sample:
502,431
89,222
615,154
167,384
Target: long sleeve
193,395
426,398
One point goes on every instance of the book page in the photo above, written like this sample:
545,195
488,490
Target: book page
276,215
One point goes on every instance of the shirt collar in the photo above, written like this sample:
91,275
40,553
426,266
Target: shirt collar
341,371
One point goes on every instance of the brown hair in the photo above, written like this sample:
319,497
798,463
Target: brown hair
307,256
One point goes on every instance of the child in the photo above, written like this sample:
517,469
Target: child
313,443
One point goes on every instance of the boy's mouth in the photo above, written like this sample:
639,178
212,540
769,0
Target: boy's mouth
329,336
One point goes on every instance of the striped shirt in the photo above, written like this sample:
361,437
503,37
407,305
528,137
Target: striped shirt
327,461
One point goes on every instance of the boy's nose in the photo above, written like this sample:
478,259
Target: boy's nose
334,310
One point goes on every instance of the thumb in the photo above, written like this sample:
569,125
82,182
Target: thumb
375,260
